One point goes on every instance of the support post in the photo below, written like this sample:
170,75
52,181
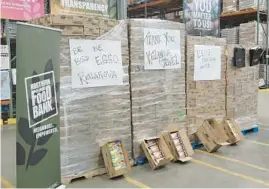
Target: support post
9,69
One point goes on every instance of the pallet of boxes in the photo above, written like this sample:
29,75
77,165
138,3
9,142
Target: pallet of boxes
95,98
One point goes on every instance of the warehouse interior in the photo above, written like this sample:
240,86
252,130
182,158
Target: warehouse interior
180,101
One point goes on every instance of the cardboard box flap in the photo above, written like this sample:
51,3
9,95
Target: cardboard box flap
163,162
236,128
173,128
224,143
185,139
185,159
165,149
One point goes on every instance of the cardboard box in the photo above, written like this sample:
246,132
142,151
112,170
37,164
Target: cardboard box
107,153
233,131
184,143
219,133
166,154
206,135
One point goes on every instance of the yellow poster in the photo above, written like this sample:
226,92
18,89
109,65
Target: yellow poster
106,8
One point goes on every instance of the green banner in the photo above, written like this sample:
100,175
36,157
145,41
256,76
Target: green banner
38,82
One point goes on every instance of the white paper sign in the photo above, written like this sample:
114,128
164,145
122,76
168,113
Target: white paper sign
14,76
207,62
4,57
96,63
161,49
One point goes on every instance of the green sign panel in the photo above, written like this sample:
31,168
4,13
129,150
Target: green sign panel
37,108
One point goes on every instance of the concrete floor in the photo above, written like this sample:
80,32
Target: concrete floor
244,166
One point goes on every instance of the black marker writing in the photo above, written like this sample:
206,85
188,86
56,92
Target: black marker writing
152,39
85,78
77,50
97,48
106,59
81,59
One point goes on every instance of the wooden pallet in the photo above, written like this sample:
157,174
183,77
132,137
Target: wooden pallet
88,175
91,174
253,129
228,12
248,9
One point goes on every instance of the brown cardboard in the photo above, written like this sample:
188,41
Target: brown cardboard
171,145
164,148
206,135
109,165
233,131
219,133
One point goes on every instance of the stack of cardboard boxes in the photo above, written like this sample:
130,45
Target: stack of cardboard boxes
242,89
248,4
157,96
229,6
90,117
231,35
248,33
205,99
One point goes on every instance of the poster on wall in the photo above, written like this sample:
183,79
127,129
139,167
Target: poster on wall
5,85
202,17
37,102
207,62
22,10
5,61
107,8
162,49
96,63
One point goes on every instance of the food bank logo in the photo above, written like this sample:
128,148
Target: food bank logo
41,97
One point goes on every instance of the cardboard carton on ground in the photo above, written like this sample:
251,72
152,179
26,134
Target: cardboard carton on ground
163,148
184,143
220,134
109,157
206,134
232,130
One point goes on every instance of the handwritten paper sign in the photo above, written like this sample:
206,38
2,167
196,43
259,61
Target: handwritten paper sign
5,63
161,49
207,62
96,63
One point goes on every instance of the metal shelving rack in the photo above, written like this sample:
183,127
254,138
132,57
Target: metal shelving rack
242,16
147,8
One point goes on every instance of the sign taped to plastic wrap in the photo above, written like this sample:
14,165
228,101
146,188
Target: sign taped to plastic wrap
4,57
96,63
207,62
161,49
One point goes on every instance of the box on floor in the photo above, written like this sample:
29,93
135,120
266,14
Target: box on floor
211,139
178,144
156,151
116,159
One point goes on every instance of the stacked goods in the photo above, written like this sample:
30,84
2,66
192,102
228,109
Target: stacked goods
179,145
158,96
205,94
117,156
242,90
252,4
248,33
156,152
231,35
116,159
262,73
229,5
90,116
